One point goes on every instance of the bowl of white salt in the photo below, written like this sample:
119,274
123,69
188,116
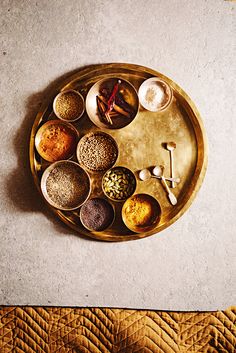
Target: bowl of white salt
155,94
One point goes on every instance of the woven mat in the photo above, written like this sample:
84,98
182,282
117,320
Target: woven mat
102,330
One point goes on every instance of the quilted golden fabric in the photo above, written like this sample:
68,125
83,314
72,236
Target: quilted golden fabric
94,330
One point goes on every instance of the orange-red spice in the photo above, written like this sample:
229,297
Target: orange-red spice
57,142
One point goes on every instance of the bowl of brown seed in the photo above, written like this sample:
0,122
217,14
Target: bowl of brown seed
65,185
69,105
97,151
119,183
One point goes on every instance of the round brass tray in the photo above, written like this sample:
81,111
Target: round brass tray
141,145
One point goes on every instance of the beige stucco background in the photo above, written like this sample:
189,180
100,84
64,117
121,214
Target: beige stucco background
189,266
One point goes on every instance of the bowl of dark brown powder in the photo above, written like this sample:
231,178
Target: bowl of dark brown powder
65,185
97,214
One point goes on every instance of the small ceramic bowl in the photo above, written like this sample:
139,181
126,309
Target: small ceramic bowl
119,183
65,185
56,140
141,213
155,94
92,214
127,100
69,105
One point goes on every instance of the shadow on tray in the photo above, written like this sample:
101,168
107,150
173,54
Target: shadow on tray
20,186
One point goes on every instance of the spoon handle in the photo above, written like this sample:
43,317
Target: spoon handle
176,180
172,168
171,196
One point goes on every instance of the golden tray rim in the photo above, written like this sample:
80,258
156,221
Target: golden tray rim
201,165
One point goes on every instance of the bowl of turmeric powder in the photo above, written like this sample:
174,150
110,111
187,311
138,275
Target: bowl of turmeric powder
141,213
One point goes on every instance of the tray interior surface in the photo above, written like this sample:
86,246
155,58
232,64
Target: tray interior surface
141,145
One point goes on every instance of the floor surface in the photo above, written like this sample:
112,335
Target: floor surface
189,266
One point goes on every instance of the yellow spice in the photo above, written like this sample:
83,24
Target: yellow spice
139,212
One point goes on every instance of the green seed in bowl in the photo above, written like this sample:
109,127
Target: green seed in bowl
119,183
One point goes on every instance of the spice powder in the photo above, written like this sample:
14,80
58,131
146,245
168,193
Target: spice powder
67,185
58,141
140,211
96,214
156,96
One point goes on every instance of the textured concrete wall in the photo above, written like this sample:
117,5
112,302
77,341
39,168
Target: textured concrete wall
189,266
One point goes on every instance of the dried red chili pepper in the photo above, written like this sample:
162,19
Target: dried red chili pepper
111,100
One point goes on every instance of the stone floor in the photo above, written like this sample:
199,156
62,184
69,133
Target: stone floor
189,266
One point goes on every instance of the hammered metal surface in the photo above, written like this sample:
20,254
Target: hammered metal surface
141,145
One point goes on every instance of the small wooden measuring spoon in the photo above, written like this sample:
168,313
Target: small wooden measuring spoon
171,146
145,174
159,170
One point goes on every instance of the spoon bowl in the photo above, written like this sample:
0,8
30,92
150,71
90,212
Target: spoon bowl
158,170
171,146
145,174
